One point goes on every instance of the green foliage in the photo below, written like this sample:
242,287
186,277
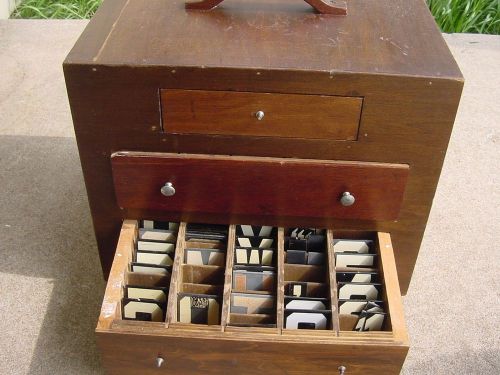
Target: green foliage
56,9
453,16
467,16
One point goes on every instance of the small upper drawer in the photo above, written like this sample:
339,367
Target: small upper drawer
260,114
232,185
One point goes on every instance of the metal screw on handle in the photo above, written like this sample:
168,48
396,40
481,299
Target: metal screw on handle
342,370
259,115
168,189
347,199
159,361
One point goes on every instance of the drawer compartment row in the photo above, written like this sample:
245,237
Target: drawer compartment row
189,348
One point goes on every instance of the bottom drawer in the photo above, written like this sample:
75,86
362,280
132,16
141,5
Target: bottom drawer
246,341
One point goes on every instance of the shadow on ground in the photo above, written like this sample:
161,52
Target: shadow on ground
49,235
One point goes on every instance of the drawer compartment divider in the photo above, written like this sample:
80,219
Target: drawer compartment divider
111,308
332,281
176,275
228,280
280,309
393,293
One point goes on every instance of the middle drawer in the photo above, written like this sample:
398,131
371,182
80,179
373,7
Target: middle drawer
261,186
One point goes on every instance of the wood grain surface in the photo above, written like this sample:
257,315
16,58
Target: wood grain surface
280,275
332,280
258,186
111,304
391,284
397,37
337,7
177,275
390,53
285,115
136,353
228,276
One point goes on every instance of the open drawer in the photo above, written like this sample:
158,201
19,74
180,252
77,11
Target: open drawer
254,343
226,186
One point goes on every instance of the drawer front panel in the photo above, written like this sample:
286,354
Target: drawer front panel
136,354
258,186
260,114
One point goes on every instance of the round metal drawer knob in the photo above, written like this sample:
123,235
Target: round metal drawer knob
342,370
168,189
159,362
347,199
259,115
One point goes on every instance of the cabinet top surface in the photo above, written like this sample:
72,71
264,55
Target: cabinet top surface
396,37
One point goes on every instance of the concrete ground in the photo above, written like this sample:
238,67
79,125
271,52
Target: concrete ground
50,280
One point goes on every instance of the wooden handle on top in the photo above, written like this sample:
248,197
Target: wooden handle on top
336,7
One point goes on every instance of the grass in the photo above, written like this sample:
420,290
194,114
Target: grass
56,9
453,16
467,16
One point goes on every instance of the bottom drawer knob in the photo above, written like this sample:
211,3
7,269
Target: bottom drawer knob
342,370
159,362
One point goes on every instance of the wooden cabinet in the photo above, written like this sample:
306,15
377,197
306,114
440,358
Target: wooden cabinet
378,85
132,347
267,113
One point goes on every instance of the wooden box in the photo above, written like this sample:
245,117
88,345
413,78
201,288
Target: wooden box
261,112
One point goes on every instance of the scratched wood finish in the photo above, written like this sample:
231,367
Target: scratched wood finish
392,290
258,186
113,294
228,276
332,280
131,347
136,353
389,52
396,37
124,251
177,275
285,115
280,275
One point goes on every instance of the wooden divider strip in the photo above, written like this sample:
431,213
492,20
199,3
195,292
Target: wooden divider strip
333,281
111,305
228,279
176,278
395,302
280,296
